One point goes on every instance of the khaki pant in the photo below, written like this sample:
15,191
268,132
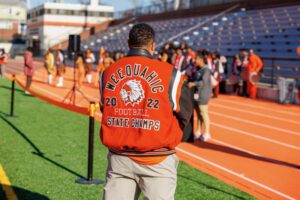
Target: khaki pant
202,113
126,179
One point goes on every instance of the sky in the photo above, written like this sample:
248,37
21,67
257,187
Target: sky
118,4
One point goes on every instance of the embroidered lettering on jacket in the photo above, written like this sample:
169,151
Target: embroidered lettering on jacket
151,77
128,81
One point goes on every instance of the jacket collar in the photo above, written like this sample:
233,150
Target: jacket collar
139,52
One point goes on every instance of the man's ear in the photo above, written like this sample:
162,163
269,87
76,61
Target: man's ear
152,48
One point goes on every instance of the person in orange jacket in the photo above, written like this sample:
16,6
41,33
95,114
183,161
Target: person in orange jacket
254,64
145,104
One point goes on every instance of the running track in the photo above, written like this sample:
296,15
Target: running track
255,145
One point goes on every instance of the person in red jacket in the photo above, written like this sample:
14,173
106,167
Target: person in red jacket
254,65
145,104
28,68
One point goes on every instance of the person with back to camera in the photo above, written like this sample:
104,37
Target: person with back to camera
145,105
202,83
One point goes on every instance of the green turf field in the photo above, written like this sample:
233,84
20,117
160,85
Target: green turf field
44,149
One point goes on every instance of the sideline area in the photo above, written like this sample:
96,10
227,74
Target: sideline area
256,143
44,150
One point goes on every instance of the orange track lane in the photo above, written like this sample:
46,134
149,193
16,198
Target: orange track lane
255,145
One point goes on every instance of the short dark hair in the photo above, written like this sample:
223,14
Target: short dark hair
140,35
201,54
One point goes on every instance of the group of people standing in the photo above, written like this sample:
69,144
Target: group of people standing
55,64
246,68
208,74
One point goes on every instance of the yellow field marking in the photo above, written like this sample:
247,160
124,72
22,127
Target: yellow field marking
6,185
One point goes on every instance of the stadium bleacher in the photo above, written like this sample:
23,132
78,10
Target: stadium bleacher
274,34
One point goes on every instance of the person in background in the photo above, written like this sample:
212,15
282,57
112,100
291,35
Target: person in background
28,68
168,49
208,58
179,60
3,61
183,47
217,71
107,62
142,155
89,60
49,65
122,55
203,89
164,56
100,64
225,74
79,64
190,56
236,70
244,71
117,56
60,67
254,65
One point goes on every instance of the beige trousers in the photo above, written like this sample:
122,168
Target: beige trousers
202,113
126,179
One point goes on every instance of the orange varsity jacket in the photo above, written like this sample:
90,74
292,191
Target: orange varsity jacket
145,104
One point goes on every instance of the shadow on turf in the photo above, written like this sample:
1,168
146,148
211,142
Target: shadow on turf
37,151
9,88
229,150
22,194
208,186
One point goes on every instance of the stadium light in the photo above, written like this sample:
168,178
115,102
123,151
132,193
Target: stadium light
111,34
105,37
130,25
215,23
92,43
176,43
243,9
124,28
118,31
205,28
85,46
196,33
98,40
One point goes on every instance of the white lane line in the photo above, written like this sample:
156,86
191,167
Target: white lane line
255,113
241,176
255,123
260,107
255,136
